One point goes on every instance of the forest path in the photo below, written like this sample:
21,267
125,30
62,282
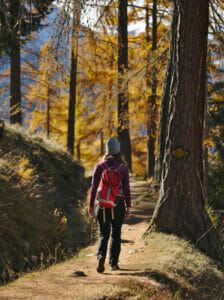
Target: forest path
58,282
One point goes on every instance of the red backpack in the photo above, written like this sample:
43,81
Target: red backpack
110,184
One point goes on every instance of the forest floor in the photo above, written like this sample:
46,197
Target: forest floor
158,267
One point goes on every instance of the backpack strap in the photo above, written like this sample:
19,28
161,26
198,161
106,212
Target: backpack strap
112,213
121,168
104,165
104,215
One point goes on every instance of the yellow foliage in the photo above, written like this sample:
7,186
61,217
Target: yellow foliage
97,88
57,212
209,142
63,220
214,218
23,169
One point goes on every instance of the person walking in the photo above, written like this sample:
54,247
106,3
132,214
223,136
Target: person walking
110,220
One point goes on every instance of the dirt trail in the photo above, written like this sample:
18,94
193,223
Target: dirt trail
58,281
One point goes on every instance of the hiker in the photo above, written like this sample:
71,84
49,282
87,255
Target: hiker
110,219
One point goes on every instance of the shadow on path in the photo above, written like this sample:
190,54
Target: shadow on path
157,276
163,279
140,215
127,241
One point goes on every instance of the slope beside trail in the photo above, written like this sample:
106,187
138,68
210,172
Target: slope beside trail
61,281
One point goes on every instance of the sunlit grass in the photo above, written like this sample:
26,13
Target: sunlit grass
23,168
42,192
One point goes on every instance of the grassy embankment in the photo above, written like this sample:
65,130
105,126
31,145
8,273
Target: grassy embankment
169,267
43,192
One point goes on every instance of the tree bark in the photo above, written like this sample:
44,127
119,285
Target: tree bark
78,152
15,86
2,129
101,143
205,154
123,117
181,205
48,113
73,78
164,106
110,102
151,126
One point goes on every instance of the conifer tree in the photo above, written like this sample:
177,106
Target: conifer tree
123,113
45,99
18,19
143,60
152,111
181,205
73,75
164,106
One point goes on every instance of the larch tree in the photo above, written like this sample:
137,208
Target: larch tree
151,103
46,109
216,30
97,86
164,105
143,60
123,114
181,205
18,19
73,75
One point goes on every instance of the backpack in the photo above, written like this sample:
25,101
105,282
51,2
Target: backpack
110,185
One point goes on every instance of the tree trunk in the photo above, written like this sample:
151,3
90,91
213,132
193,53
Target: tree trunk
164,106
2,129
123,117
205,154
48,112
73,78
181,205
101,143
15,86
110,102
151,126
78,152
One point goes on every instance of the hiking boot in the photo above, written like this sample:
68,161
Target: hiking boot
115,268
100,267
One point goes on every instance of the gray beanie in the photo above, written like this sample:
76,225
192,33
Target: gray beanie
112,146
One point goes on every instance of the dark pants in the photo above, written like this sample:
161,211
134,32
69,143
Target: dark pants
113,226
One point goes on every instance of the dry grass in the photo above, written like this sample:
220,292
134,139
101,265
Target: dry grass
186,269
42,193
168,268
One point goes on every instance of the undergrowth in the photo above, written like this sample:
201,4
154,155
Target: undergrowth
182,267
43,195
217,218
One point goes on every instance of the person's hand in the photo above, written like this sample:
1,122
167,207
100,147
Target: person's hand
91,211
128,213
